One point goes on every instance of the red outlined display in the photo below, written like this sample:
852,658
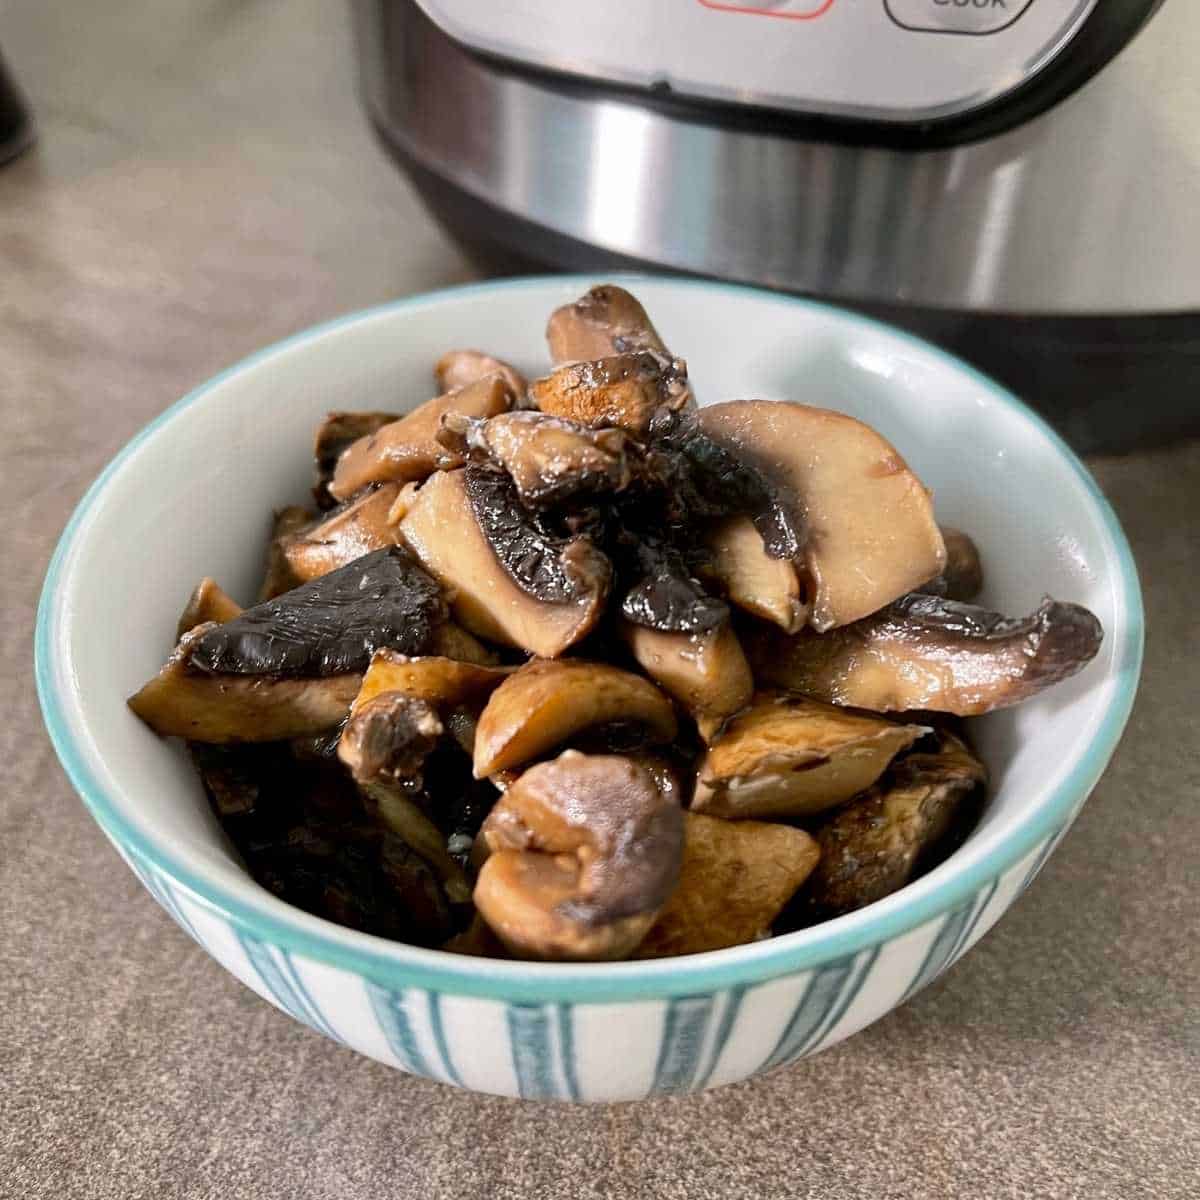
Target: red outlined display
820,10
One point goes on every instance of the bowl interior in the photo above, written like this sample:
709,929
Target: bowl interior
194,494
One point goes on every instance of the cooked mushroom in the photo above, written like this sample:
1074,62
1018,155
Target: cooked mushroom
706,672
923,652
735,878
442,682
791,757
870,532
548,459
625,390
279,577
460,368
477,941
666,595
768,587
962,576
331,625
871,847
564,585
354,529
338,432
605,321
408,449
546,702
183,702
453,641
389,736
207,603
585,851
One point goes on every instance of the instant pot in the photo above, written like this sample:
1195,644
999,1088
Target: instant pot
1018,180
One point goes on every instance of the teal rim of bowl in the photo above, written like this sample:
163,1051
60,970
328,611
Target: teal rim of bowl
400,965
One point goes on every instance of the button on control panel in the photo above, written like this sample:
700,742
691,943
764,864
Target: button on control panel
956,16
797,10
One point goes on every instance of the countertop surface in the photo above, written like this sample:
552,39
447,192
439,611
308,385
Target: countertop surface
205,184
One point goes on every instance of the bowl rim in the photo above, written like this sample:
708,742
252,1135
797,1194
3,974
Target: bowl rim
263,916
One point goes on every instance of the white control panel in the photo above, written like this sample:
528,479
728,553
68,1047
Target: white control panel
888,60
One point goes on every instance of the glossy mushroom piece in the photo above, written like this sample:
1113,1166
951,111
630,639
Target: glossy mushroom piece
923,652
605,321
512,581
584,852
871,847
461,368
348,532
408,449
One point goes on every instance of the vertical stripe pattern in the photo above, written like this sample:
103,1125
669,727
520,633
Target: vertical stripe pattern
278,976
685,1027
951,937
391,1013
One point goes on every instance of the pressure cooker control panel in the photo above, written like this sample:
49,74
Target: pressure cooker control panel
886,60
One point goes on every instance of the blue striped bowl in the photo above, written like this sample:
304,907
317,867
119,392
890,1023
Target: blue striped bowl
190,496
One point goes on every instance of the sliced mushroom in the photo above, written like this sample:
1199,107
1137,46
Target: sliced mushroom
182,702
461,368
337,433
923,652
962,577
603,322
208,603
566,584
331,625
585,850
871,847
280,577
453,641
389,736
624,390
442,682
548,459
666,596
791,757
768,587
870,532
408,449
735,878
706,672
546,702
355,529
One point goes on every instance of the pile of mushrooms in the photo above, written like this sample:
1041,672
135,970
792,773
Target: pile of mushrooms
575,669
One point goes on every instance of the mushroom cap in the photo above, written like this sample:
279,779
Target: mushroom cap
546,702
604,321
585,850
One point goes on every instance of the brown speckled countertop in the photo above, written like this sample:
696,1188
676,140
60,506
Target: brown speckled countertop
205,184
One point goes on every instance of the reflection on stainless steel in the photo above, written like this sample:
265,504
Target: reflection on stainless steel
1088,208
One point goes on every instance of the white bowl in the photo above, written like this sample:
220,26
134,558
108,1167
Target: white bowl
191,496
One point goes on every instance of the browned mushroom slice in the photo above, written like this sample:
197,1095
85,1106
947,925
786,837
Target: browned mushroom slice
460,368
408,449
768,587
565,593
871,536
585,851
962,577
605,321
625,390
182,702
923,652
280,577
208,603
442,682
549,459
389,735
346,534
791,757
453,641
546,702
337,433
735,878
706,672
871,848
